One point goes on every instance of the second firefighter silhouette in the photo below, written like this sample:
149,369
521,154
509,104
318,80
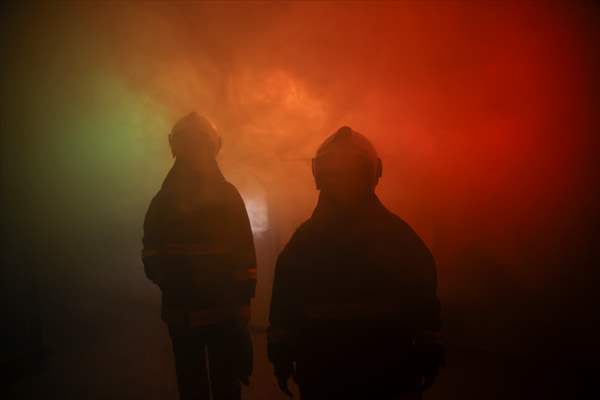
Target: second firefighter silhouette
354,309
198,248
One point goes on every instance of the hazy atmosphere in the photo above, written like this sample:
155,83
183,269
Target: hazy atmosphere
482,113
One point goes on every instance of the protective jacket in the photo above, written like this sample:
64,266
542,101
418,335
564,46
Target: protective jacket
354,298
198,248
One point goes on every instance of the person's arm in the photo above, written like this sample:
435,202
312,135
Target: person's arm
151,243
243,254
429,349
430,320
280,339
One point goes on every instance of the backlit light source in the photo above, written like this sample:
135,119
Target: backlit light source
257,213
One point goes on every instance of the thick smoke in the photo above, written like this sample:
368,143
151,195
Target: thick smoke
480,112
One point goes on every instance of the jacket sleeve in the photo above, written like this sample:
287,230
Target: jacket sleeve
243,254
280,335
151,242
430,305
429,347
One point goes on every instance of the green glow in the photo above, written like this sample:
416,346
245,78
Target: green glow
106,153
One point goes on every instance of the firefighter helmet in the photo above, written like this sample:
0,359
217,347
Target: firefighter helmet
194,130
346,142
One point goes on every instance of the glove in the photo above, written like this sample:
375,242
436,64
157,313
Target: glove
283,372
242,352
428,379
429,354
279,350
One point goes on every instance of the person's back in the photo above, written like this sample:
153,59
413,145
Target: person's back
198,248
354,289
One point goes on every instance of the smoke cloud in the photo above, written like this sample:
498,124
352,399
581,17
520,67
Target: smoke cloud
481,113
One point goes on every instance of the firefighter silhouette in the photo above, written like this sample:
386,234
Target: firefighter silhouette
198,249
354,309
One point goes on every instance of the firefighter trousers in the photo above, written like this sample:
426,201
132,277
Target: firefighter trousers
210,363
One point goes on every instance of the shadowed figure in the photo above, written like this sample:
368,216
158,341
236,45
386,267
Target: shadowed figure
198,248
354,310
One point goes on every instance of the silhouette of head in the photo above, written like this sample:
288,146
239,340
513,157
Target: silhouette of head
346,167
194,140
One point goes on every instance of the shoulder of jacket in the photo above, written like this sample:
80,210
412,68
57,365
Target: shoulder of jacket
230,192
404,230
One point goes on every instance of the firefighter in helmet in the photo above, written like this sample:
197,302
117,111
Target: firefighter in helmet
198,248
354,309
